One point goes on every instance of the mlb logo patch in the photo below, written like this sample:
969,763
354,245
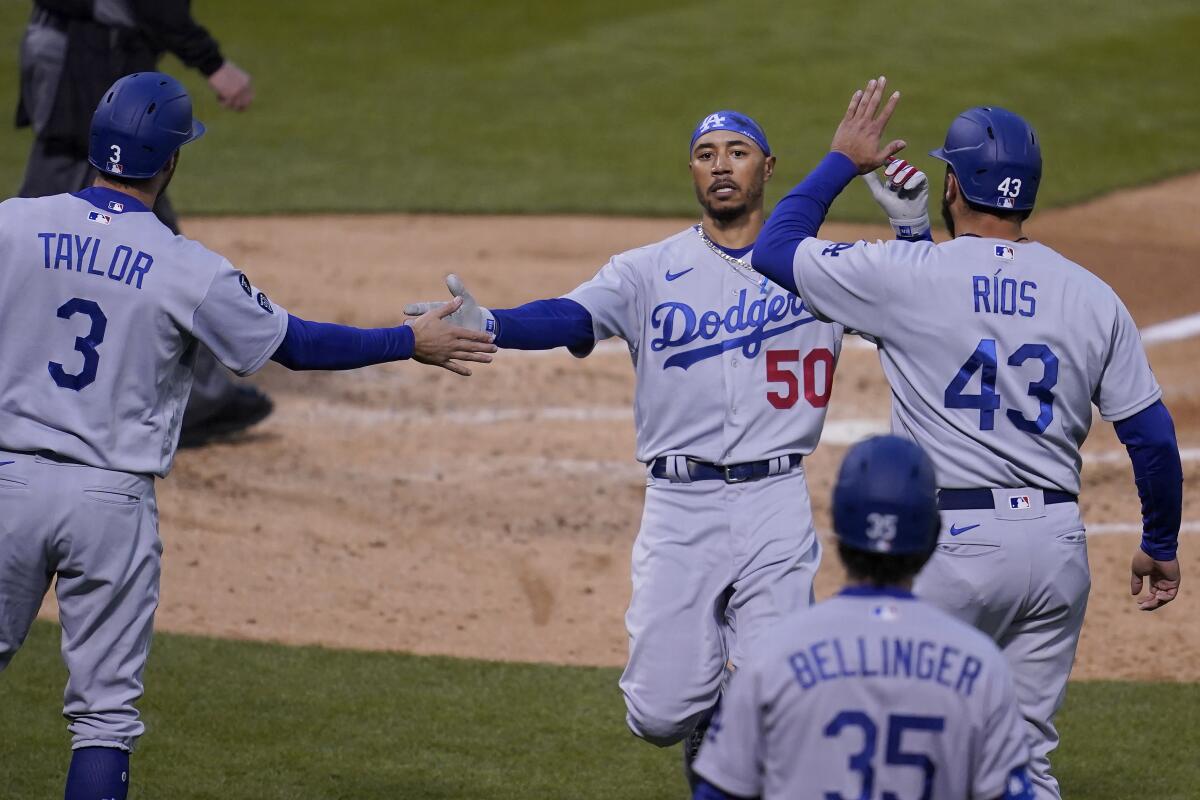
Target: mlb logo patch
116,169
1004,251
113,205
885,613
1018,502
1005,202
96,216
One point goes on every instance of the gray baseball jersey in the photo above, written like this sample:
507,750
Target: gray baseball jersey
730,368
869,694
995,350
98,350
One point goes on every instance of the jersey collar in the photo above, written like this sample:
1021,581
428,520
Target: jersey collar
110,200
877,591
736,252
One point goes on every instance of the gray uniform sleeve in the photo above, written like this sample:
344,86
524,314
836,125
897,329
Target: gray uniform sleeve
1126,385
732,755
856,283
1003,748
238,322
614,299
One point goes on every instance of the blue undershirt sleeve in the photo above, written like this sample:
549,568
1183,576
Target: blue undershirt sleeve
706,791
325,345
798,216
1149,437
544,324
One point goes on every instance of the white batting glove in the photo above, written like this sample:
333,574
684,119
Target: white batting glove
904,197
471,315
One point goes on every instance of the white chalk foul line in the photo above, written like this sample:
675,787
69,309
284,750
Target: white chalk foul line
1172,330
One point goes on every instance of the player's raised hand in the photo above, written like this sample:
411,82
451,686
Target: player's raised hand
858,135
439,342
1163,577
469,315
904,196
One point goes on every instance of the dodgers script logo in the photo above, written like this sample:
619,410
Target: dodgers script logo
680,325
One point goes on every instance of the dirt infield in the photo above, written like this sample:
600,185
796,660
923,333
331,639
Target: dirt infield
405,508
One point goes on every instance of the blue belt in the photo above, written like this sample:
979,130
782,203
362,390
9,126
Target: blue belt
964,499
731,473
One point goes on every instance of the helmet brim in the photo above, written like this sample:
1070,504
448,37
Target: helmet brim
198,130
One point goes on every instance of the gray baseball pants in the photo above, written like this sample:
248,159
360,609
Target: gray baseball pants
710,557
96,532
1021,577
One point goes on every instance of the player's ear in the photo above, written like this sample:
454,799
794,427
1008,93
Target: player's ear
768,168
950,188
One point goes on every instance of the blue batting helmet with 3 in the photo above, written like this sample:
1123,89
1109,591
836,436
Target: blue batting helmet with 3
885,498
141,121
996,158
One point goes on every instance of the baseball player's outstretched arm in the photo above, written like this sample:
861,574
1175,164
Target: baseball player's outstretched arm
855,150
797,217
1149,437
429,339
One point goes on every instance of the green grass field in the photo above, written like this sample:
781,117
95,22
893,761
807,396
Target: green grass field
545,106
232,720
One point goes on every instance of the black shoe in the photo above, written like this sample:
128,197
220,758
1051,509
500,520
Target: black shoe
246,406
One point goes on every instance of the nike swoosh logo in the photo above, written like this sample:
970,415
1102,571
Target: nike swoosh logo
673,275
955,530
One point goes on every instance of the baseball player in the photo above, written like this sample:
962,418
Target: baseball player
872,693
995,347
72,51
733,380
102,309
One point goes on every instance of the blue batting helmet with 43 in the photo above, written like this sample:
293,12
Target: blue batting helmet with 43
141,121
885,498
996,158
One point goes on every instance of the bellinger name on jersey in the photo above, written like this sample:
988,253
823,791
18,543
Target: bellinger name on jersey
886,657
74,253
681,325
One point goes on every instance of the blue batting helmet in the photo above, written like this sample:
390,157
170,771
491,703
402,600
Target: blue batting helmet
141,121
885,498
996,158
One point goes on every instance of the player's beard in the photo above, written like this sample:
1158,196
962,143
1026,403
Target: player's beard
726,214
169,174
947,218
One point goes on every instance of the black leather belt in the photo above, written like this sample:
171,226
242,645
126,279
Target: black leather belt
964,499
730,473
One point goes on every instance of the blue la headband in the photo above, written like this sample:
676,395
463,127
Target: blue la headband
732,121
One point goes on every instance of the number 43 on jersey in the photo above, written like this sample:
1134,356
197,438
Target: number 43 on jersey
985,361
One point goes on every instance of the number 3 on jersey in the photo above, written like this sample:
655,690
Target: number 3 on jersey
984,361
84,344
816,389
